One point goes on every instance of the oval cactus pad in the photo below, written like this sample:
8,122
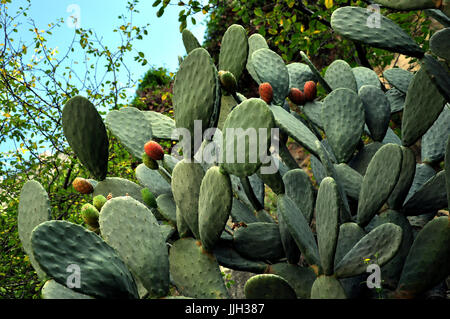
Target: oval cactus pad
63,248
85,131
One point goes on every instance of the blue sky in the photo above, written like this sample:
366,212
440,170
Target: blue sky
161,46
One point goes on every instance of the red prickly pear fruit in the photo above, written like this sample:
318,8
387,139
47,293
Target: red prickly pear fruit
310,91
154,150
297,96
82,185
266,92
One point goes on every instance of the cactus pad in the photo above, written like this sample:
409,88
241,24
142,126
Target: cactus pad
352,22
53,290
398,78
245,158
162,126
234,50
60,244
189,40
153,180
439,43
214,206
196,272
300,190
118,187
433,141
34,209
343,122
327,287
379,181
340,75
270,67
268,286
381,245
327,222
255,42
365,76
400,191
85,131
131,229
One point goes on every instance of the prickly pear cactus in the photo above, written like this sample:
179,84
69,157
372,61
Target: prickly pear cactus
186,216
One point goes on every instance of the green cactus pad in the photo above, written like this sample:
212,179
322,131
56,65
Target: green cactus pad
423,173
406,5
343,122
189,40
398,78
245,159
167,207
433,141
365,76
34,209
429,198
350,178
439,43
294,128
331,171
85,131
313,111
299,228
317,169
195,272
182,226
327,222
153,180
391,137
131,229
228,257
447,170
268,286
57,245
257,186
118,187
227,103
361,160
381,244
53,290
327,287
396,100
300,190
197,71
234,50
352,22
259,241
316,72
131,128
377,111
241,213
349,234
290,247
186,180
392,269
169,162
423,105
255,42
299,74
398,195
214,206
439,16
270,67
162,126
428,260
274,181
379,181
339,74
300,279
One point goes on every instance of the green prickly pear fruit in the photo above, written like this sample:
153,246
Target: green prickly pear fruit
266,92
99,201
310,91
149,162
154,150
90,215
228,81
297,96
82,185
148,198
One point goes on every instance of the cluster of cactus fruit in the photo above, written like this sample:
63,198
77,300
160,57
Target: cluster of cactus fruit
186,218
